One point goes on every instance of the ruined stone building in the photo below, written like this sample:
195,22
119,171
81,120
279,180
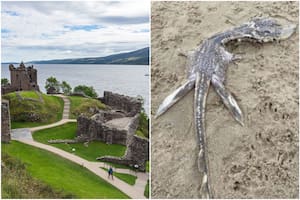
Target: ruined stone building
126,104
117,126
21,78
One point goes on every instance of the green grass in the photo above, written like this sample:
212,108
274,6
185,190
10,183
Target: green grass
29,94
28,113
61,174
83,105
68,131
143,127
17,183
146,192
147,166
27,124
128,178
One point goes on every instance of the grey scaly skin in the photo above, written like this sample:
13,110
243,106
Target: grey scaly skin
207,65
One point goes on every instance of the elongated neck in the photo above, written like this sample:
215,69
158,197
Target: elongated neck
242,32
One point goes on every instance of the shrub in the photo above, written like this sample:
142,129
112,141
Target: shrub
52,82
87,90
143,128
66,88
4,81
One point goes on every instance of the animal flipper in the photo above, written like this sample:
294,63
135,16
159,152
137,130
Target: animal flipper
175,96
201,91
228,99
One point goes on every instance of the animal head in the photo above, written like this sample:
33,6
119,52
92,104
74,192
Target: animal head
267,29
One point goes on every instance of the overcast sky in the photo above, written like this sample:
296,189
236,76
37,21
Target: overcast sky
55,30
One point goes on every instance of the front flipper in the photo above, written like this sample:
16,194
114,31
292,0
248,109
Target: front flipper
228,99
175,96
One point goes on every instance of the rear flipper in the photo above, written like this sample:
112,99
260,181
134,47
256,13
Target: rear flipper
175,96
228,99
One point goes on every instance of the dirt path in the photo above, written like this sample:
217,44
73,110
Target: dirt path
66,106
24,135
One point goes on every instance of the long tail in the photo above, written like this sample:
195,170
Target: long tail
201,91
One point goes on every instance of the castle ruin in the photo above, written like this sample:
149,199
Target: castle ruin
21,78
115,126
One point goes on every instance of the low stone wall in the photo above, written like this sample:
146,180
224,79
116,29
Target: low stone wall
7,89
136,155
93,129
130,105
5,121
58,141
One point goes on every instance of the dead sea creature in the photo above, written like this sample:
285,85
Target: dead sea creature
208,64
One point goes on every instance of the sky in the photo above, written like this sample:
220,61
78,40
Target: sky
72,29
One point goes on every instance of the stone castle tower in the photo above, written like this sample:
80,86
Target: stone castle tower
23,78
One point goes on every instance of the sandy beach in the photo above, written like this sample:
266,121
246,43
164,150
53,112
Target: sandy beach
259,160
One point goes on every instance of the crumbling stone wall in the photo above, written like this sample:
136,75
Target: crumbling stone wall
5,121
137,152
94,128
129,105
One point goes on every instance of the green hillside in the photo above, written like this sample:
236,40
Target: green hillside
29,108
138,57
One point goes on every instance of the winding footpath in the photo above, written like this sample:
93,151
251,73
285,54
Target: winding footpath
136,191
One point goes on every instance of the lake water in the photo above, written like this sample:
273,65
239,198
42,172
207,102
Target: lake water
123,79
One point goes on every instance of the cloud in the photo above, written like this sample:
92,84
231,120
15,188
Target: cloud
55,30
84,27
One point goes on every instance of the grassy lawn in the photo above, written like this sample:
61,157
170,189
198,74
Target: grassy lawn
29,94
28,113
61,174
130,179
146,192
83,105
68,131
17,183
27,124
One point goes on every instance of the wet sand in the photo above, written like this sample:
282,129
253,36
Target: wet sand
259,160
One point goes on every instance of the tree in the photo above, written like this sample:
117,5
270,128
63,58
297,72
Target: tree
66,88
4,81
144,124
52,82
89,91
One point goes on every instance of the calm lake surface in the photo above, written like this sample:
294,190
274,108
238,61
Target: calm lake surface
123,79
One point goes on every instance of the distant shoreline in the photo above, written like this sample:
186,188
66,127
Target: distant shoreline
30,63
137,57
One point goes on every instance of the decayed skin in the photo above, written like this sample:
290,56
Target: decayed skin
208,64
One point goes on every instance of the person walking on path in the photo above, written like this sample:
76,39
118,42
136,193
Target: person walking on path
111,173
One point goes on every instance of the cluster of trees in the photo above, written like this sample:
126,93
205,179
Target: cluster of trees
4,81
67,89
